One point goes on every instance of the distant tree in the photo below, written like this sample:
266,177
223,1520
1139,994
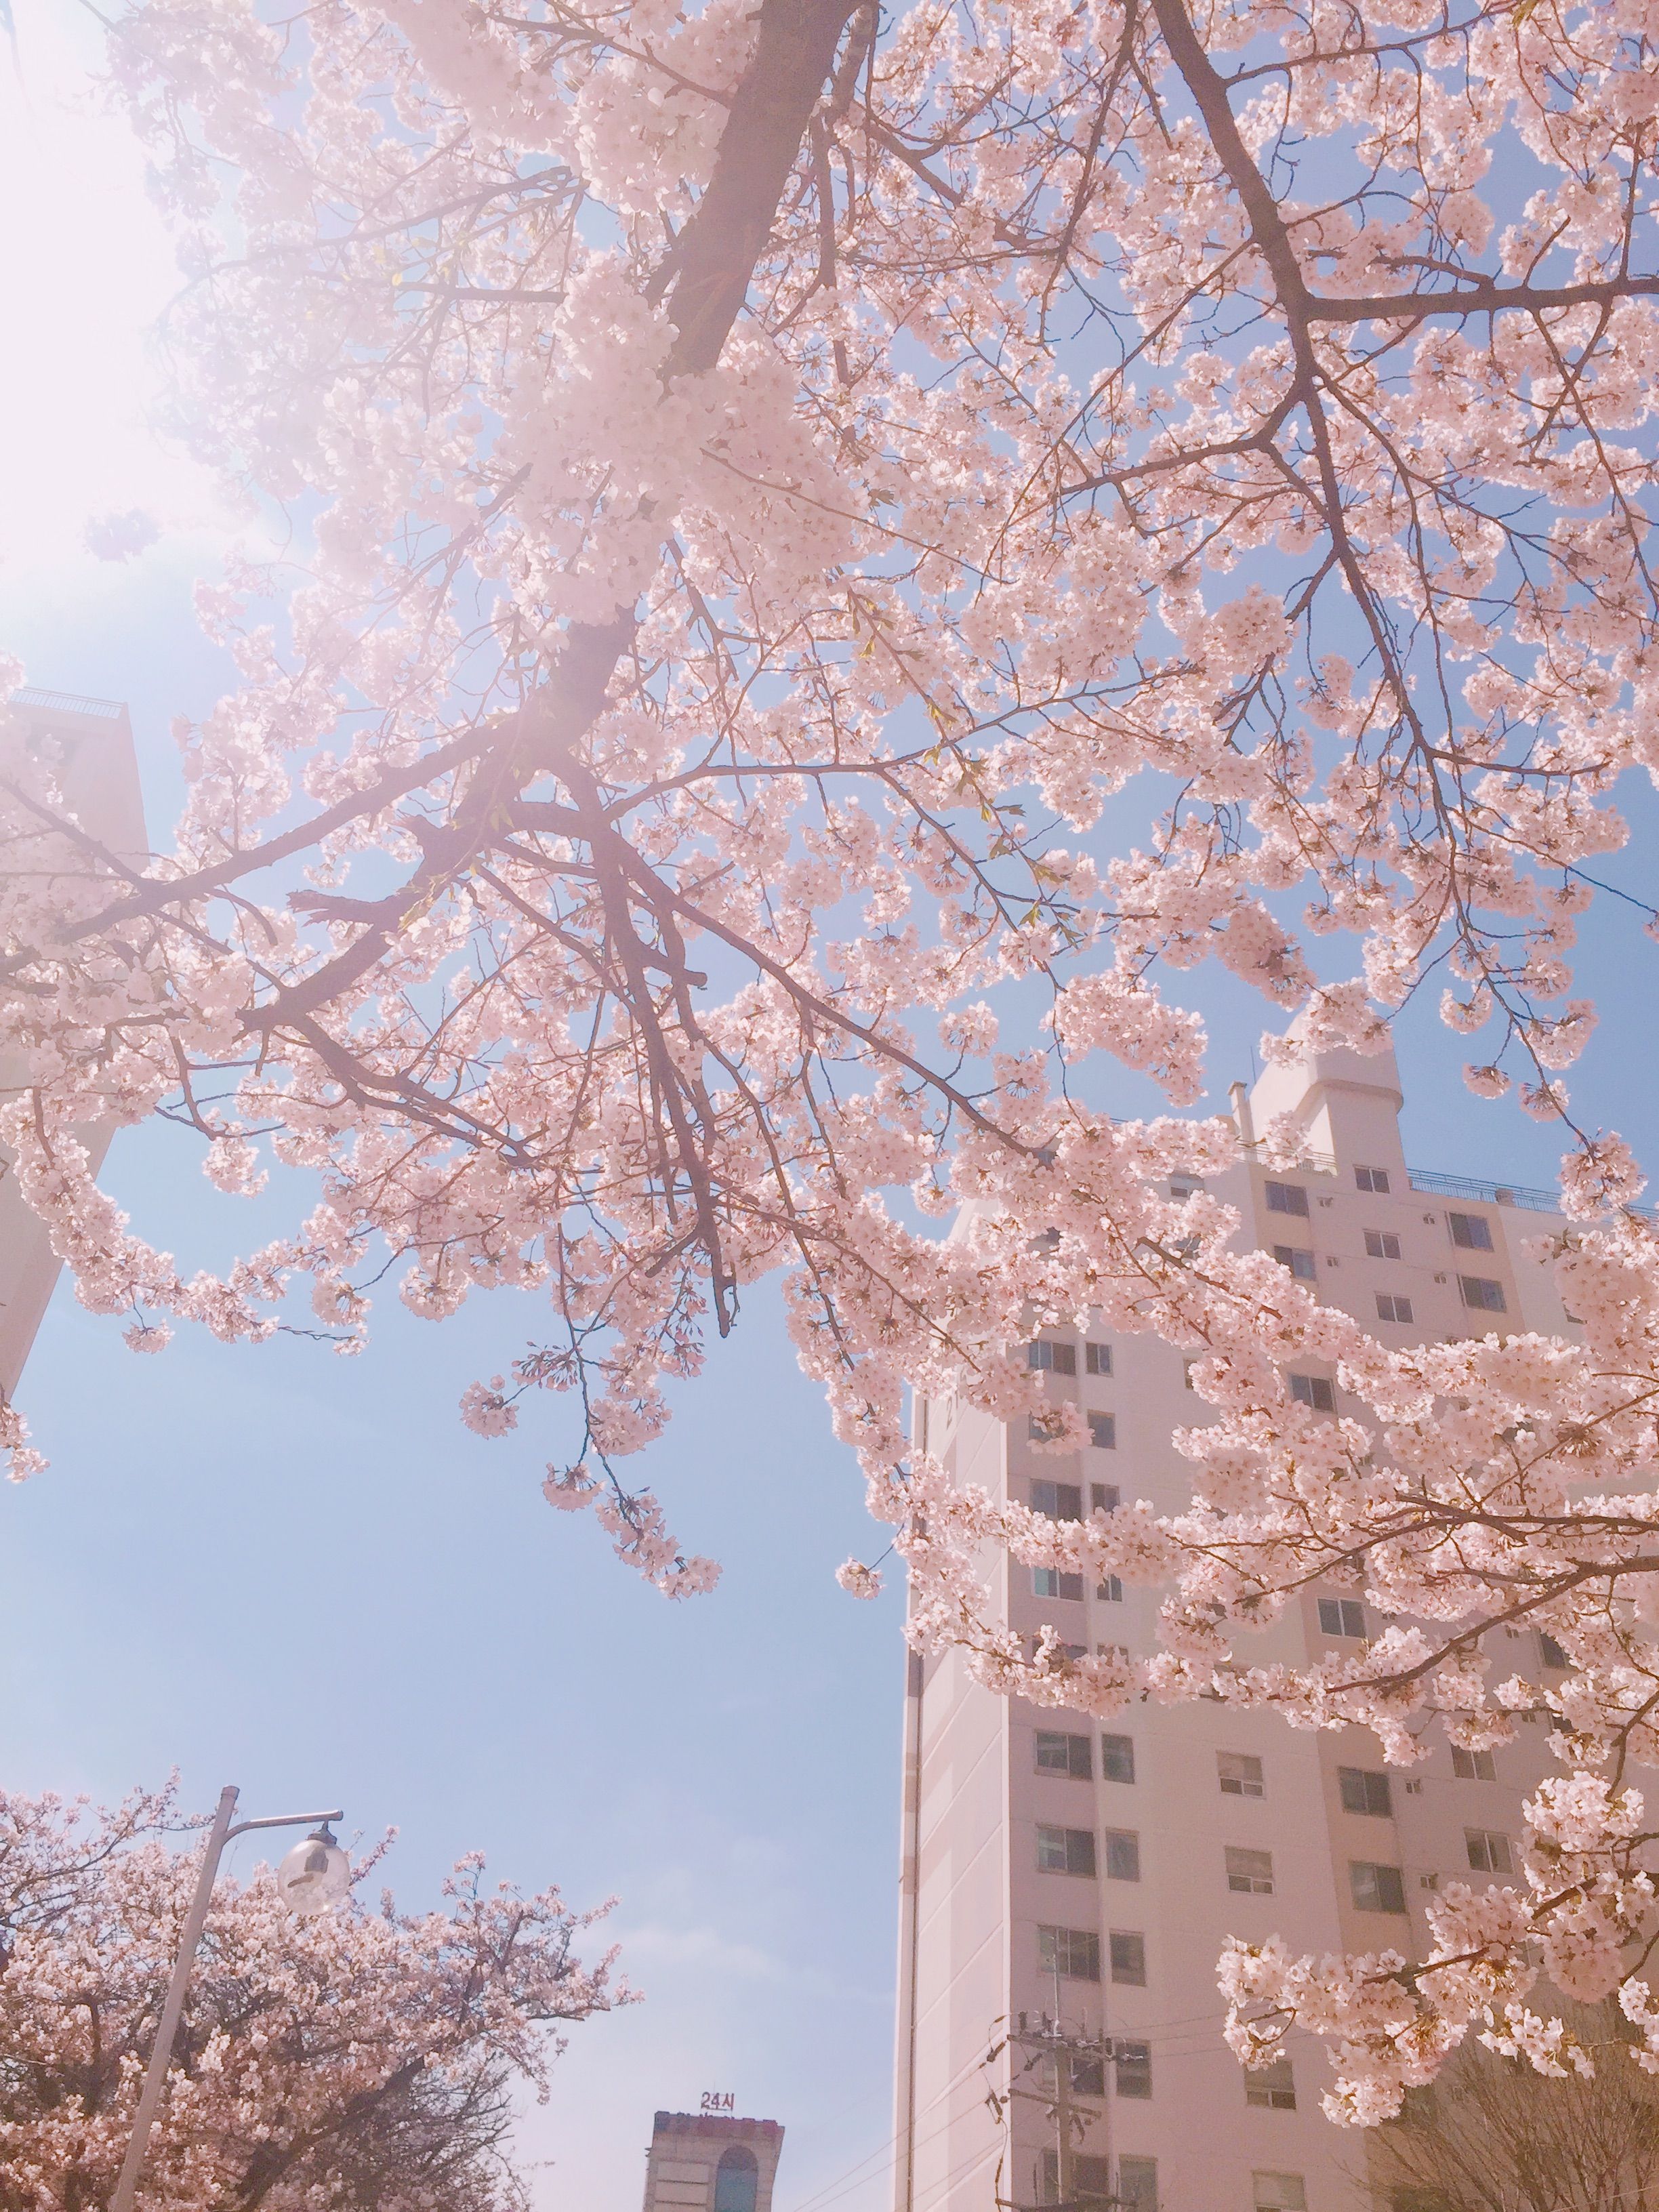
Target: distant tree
1493,2136
351,2060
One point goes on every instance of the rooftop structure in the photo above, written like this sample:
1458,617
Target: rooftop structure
711,2162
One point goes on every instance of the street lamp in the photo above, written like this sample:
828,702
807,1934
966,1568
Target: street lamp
322,1877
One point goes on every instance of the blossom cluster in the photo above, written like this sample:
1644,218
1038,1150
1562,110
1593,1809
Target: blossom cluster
771,479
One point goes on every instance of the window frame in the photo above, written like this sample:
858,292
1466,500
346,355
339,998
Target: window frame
1367,1784
1287,1198
1477,1844
1097,1359
1298,1261
1317,1392
1244,1785
1373,1869
1061,1358
1482,1241
1272,2087
1469,1768
1339,1610
1118,1745
1121,1852
1132,2069
1071,1771
1392,1306
1074,1943
1248,1880
1126,1936
1062,1493
1065,1588
1097,1423
1378,1242
1479,1302
1262,2179
1372,1180
1071,1850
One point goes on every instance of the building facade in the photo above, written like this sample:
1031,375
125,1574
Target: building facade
1066,1886
90,743
711,2162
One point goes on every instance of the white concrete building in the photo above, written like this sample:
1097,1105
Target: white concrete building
1055,1868
90,743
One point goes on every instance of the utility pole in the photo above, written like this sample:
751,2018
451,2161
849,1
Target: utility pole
1048,2043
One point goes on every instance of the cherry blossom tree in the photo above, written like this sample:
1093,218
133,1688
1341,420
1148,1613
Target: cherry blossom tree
760,481
352,2058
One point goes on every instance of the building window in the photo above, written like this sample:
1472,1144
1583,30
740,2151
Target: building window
1049,1581
737,2181
1250,1873
1061,1501
1551,1652
1279,2192
1122,1856
1052,1358
1111,1590
1364,1790
1483,1294
1065,1851
1117,1758
1473,1231
1064,1754
1489,1852
1342,1616
1128,1956
1088,2077
1102,1431
1137,2184
1103,1497
1382,1244
1240,1774
1313,1390
1091,2182
1472,1766
1287,1198
1375,1888
1391,1307
1375,1179
1134,2066
1097,1359
1299,1262
1273,2087
1073,1952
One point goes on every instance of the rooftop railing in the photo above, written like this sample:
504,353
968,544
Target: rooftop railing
1485,1193
69,702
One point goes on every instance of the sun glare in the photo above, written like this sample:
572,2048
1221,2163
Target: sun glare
87,263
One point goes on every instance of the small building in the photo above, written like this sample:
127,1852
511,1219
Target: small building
708,2162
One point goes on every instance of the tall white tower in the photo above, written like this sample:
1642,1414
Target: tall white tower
89,743
1055,1870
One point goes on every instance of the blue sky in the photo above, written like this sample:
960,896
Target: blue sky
299,1574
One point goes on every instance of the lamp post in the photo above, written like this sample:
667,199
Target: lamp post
315,1876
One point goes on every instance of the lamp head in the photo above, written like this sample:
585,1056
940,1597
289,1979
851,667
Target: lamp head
315,1875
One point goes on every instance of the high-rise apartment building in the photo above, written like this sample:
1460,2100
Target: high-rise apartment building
1056,1870
90,743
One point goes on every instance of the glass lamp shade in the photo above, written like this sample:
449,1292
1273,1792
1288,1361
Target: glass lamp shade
315,1875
